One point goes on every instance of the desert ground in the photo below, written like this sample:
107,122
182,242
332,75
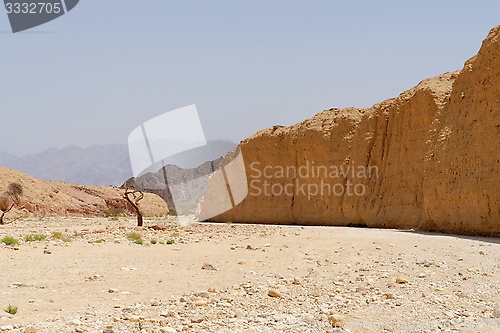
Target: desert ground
94,275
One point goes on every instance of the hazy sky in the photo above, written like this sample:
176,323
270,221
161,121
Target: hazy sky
93,75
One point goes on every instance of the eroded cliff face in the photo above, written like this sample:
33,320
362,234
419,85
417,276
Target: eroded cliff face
426,159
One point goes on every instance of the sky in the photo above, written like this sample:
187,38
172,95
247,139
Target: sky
96,73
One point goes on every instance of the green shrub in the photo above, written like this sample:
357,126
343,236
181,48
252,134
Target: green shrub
9,241
153,241
170,242
57,234
34,237
139,242
11,309
135,236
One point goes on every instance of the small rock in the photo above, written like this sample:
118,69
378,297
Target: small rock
496,310
273,293
202,293
307,318
422,275
209,267
47,252
317,293
336,320
389,296
197,319
296,281
30,329
168,330
401,280
111,291
7,328
200,302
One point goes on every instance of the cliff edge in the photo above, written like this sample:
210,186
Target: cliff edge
428,159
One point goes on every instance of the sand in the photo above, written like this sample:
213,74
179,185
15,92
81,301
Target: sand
219,278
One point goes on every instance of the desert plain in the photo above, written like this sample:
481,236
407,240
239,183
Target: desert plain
177,275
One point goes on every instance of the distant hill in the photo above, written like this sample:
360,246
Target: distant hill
6,157
102,164
181,180
182,189
96,165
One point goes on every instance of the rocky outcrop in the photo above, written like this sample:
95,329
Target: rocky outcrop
182,189
427,159
51,198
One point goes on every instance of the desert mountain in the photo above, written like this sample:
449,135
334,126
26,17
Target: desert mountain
6,158
96,165
51,198
101,164
185,175
427,159
182,189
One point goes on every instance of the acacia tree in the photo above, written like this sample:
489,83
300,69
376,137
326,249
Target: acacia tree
9,199
133,196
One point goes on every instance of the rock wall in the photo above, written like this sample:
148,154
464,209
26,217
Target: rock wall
427,159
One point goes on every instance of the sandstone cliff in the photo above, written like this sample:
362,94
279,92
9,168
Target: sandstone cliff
51,198
427,159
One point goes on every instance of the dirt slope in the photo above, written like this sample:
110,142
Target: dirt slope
50,198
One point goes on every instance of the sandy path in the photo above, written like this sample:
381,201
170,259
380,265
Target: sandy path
101,281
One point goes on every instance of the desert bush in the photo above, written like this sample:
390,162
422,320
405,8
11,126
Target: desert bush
135,236
11,309
9,241
9,199
34,237
57,234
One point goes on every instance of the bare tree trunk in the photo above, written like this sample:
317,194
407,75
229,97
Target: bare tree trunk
5,212
137,196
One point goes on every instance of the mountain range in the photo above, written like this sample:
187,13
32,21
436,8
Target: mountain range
97,165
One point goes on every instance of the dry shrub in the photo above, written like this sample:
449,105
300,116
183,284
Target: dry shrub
5,203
